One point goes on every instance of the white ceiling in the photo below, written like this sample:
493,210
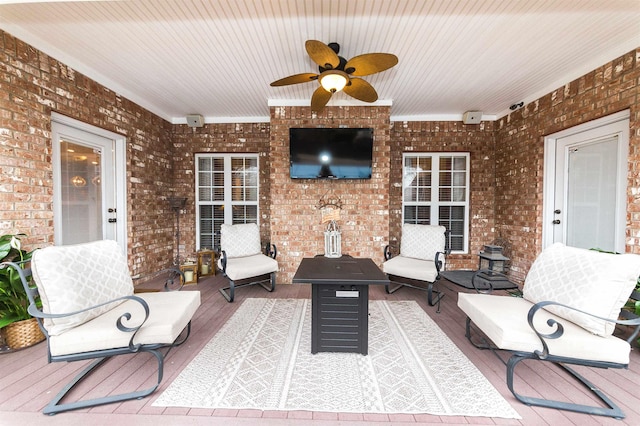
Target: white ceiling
217,58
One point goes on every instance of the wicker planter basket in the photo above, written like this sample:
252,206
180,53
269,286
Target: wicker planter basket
22,334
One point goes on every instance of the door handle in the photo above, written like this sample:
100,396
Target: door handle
112,220
557,211
556,222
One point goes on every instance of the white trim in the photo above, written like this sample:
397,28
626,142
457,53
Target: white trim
549,186
434,203
120,172
227,184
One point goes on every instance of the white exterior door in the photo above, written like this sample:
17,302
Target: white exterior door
89,201
586,185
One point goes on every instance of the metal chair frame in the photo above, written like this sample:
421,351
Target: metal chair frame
610,410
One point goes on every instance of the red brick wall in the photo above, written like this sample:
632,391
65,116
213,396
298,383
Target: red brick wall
610,88
32,85
449,137
295,218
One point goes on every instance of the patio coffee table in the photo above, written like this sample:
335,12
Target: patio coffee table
339,301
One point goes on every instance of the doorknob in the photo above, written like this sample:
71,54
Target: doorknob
557,211
112,220
111,210
556,222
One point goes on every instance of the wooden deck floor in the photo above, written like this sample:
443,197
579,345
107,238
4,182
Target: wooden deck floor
28,383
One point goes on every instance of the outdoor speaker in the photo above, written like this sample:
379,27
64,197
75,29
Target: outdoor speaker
472,117
195,120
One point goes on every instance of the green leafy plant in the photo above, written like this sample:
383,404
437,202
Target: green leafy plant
13,298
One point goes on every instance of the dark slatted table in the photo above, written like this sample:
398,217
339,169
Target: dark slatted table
339,301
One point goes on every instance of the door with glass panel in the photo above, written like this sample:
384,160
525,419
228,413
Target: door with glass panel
227,191
86,202
586,205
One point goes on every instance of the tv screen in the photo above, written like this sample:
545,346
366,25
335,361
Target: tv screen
342,153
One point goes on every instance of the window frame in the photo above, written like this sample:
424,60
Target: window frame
228,203
434,204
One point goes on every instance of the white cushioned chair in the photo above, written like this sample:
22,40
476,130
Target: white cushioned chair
423,250
89,311
572,300
242,260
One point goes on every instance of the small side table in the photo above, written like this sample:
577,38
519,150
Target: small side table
206,263
190,272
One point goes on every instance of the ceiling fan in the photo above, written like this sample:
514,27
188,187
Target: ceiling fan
335,73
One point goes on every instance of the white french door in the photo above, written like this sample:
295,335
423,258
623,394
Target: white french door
89,193
586,185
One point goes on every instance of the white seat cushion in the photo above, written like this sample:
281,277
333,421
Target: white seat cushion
169,314
504,320
74,277
594,282
407,267
239,268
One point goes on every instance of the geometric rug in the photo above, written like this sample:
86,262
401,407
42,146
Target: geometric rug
261,359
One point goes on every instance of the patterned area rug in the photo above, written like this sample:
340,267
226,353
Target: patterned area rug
261,359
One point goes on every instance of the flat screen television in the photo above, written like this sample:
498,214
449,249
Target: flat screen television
340,153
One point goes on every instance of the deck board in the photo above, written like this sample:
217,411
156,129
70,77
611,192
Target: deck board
28,382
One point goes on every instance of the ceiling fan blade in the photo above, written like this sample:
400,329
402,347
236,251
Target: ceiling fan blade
361,90
319,99
370,63
322,54
295,79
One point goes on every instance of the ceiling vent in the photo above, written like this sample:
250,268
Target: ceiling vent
195,120
472,117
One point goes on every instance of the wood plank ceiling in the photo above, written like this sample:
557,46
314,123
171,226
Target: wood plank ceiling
217,58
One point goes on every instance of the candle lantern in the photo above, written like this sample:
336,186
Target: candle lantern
206,263
492,263
190,271
332,240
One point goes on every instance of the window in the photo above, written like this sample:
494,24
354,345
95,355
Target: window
226,192
435,191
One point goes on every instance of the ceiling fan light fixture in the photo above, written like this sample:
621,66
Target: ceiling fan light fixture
333,80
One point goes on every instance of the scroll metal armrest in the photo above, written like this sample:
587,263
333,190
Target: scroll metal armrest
387,252
271,250
557,329
223,261
34,311
439,261
174,274
487,286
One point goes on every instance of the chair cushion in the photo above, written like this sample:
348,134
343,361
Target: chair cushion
239,268
422,241
240,240
594,282
75,277
169,314
504,320
408,267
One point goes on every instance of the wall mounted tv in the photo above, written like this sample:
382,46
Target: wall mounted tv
323,153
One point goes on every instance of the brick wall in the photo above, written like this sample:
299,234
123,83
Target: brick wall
295,218
613,87
32,85
217,138
476,139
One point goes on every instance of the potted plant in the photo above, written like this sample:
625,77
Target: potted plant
18,327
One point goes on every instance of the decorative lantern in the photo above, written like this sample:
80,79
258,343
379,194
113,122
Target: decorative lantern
206,263
493,263
332,240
